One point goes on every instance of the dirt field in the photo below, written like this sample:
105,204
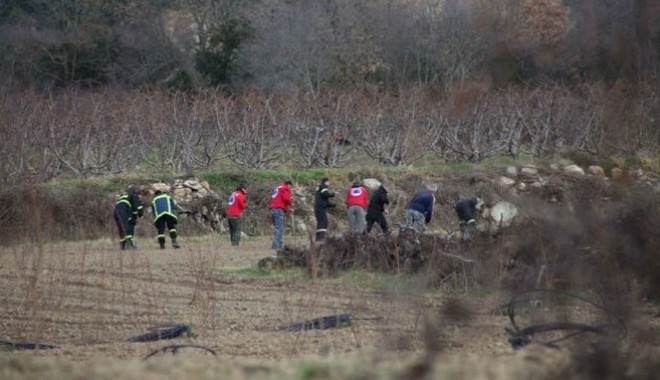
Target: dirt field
89,299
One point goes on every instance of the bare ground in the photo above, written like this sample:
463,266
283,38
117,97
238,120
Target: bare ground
89,299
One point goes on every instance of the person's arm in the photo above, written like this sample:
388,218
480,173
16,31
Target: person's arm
173,206
429,210
286,197
242,205
327,194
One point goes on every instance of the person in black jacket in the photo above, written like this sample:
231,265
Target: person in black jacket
128,209
321,204
376,210
467,210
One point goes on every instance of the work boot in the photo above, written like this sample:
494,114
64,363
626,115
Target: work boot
130,245
162,245
175,244
122,245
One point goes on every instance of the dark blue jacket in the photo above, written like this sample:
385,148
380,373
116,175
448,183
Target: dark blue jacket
130,206
163,204
423,202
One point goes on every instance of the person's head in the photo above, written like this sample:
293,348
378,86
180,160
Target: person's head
325,180
432,187
356,183
289,182
241,187
140,193
157,193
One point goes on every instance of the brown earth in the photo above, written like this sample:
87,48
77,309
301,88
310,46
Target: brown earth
88,299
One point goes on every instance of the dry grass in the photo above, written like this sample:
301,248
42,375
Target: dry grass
88,299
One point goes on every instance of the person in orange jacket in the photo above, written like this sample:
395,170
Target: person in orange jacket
235,206
356,204
280,201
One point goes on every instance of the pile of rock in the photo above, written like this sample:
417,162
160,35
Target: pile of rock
197,201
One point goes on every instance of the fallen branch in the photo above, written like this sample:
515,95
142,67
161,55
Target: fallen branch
13,346
176,347
163,333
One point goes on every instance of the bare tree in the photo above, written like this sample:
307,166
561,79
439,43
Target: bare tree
391,129
321,130
254,138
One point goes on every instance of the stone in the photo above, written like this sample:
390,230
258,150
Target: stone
503,213
617,174
159,186
529,170
506,181
596,170
511,171
371,183
573,169
192,184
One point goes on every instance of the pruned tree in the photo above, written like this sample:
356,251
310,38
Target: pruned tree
391,130
254,138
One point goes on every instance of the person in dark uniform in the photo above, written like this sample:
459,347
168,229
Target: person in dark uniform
467,210
376,210
127,210
322,203
163,209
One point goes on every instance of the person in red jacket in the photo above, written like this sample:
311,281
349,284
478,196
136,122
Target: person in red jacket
280,200
356,204
235,207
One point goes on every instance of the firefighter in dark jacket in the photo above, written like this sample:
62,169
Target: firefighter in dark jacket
321,204
128,209
467,210
376,210
163,209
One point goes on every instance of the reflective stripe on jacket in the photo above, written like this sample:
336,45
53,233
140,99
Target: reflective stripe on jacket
161,205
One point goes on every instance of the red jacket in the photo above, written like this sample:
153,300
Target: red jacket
281,197
236,203
356,196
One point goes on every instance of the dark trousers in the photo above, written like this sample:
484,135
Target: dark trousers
234,229
380,219
321,224
165,221
122,218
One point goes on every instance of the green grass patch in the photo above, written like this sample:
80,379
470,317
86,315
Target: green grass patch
227,181
298,274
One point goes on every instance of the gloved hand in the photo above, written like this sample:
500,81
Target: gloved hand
331,205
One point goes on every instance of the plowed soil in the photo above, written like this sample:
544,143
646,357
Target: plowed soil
89,299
